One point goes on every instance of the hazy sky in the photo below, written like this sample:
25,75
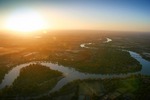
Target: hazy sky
124,15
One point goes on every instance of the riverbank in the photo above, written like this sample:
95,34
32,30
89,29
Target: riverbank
33,80
70,73
132,88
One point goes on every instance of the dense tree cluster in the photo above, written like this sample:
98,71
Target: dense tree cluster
34,79
103,60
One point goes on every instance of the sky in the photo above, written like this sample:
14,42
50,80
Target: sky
116,15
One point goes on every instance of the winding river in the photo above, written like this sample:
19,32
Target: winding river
72,74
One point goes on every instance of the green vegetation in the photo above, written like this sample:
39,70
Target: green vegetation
137,43
33,80
132,88
103,60
65,49
3,67
3,71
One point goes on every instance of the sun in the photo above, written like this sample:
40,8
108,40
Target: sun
25,21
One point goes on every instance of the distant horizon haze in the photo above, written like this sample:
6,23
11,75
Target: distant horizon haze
109,15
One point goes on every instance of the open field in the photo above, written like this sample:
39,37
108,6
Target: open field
132,88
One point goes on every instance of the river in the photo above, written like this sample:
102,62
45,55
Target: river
72,74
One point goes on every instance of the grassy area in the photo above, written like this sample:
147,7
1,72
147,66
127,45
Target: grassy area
65,49
133,88
102,60
33,80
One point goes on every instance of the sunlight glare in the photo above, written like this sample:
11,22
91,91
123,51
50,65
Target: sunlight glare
25,21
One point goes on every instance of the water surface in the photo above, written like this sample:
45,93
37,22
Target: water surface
72,74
